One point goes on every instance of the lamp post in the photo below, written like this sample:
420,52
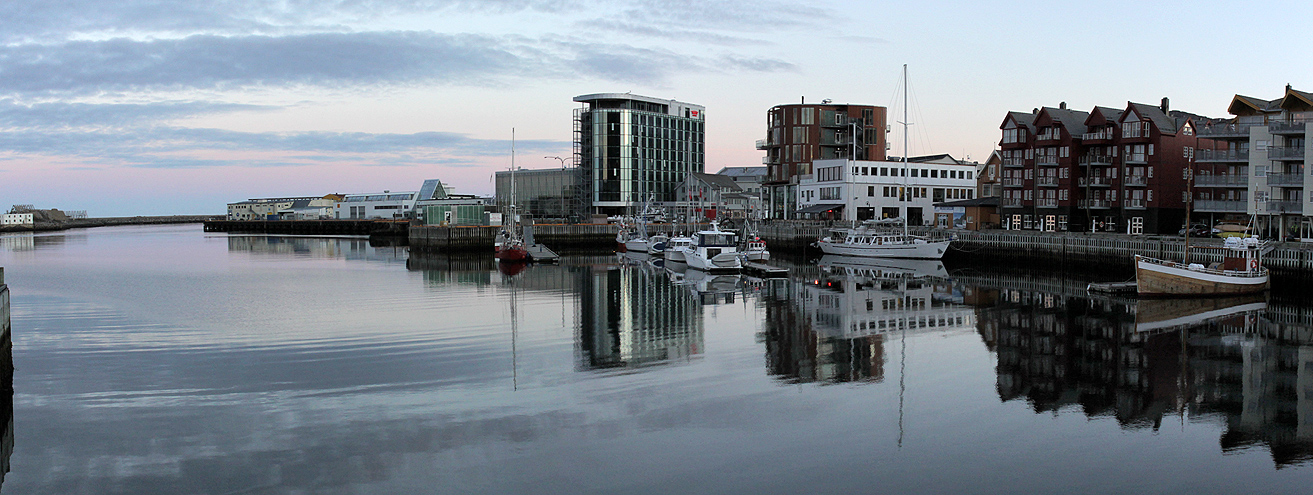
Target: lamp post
562,160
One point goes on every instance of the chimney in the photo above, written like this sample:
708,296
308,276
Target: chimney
1164,106
1062,106
1034,110
1287,87
804,100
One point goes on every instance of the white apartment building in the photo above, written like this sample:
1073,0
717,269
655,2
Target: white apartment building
863,190
383,205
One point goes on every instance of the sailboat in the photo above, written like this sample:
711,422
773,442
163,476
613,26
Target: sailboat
869,239
509,246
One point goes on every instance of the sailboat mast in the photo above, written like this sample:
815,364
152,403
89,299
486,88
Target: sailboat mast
513,218
906,190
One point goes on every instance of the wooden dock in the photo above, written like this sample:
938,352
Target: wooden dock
764,271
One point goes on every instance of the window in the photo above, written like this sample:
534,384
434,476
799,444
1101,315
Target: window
884,171
870,191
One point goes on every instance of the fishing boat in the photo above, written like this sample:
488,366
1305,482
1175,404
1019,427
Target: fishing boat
755,250
1241,271
868,240
713,250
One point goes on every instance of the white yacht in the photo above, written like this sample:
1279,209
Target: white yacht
713,250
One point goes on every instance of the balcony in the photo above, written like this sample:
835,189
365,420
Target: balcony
1139,158
1228,131
762,144
1014,162
1095,182
1203,156
1221,181
1289,154
1135,180
1133,203
1284,128
1284,207
1219,206
1286,180
1095,204
1046,202
1046,161
1091,137
1096,159
770,160
1013,182
1013,202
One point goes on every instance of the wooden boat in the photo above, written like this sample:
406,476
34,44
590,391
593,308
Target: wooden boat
1240,272
869,242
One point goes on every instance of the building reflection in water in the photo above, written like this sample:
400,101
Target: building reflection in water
626,313
1239,361
348,248
633,314
830,322
31,242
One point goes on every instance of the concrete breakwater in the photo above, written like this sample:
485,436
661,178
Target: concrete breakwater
83,223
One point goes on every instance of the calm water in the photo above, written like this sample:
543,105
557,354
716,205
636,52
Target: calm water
167,360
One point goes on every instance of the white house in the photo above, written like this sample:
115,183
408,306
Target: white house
18,219
861,190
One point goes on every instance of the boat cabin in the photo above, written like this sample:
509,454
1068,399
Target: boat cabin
717,239
1241,254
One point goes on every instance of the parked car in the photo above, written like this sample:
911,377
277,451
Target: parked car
1199,230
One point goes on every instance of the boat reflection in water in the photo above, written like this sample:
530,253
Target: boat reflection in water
830,323
1239,362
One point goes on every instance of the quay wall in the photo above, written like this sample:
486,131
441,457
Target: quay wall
558,237
311,227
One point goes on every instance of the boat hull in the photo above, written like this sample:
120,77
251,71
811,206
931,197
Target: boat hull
720,262
1155,279
512,254
636,245
928,250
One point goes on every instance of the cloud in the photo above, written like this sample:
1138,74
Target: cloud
208,62
50,115
177,147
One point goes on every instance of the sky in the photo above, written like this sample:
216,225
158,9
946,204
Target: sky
157,107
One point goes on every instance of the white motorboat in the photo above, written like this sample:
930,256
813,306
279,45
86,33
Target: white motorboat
674,248
713,250
657,244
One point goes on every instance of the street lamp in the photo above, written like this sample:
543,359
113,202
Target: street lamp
562,160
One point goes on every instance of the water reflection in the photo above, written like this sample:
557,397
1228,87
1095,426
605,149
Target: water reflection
349,248
30,241
833,318
633,315
1240,362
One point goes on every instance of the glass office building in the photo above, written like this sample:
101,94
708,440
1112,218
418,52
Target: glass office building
631,148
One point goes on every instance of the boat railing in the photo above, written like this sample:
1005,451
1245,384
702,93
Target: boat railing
1260,272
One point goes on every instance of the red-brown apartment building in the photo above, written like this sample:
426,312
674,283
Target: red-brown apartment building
1105,170
798,134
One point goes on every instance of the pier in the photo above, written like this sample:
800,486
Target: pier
557,236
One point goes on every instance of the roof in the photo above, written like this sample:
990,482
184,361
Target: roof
742,171
1161,120
1022,118
1239,102
1103,116
1072,120
628,96
1296,100
721,181
820,208
985,201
